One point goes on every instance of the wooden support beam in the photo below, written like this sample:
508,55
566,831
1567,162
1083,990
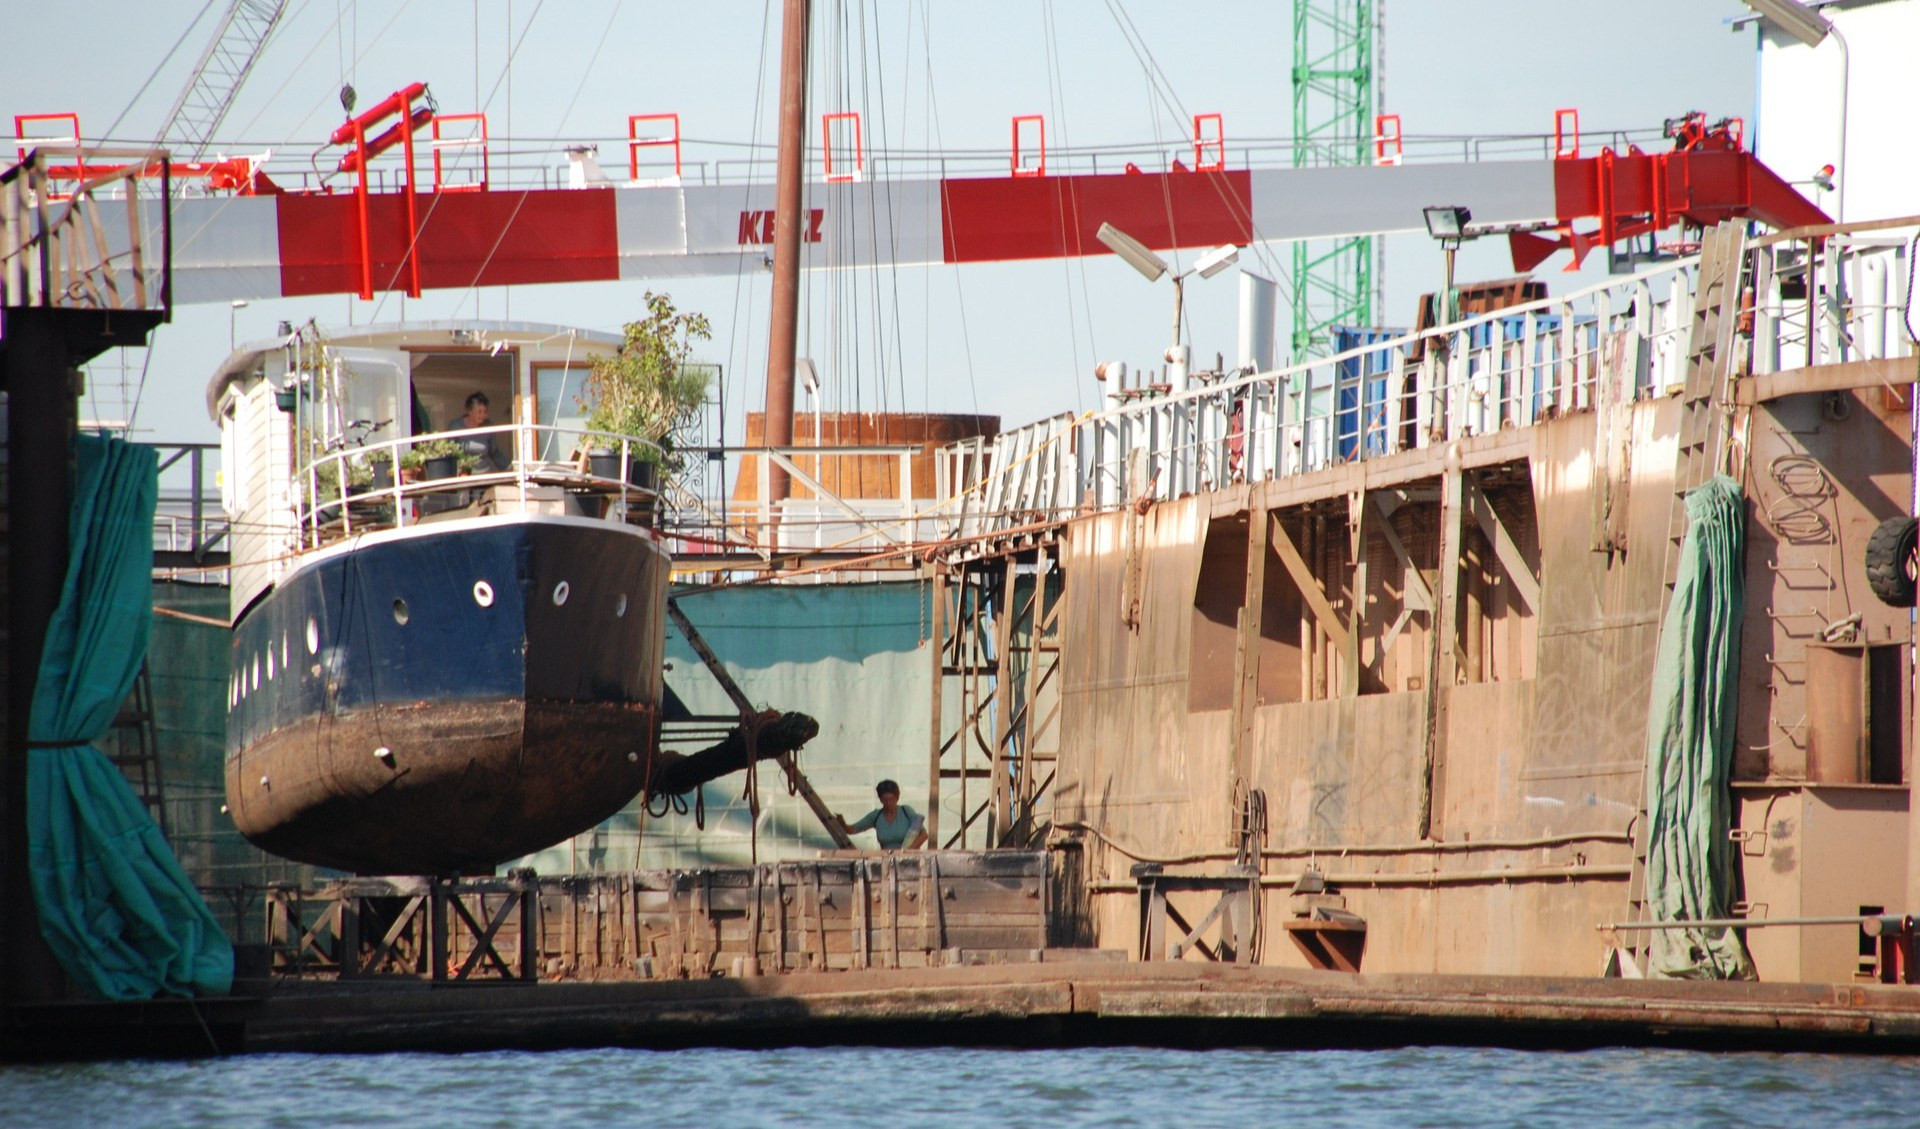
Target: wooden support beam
1443,656
1393,634
1357,553
1419,597
1512,561
1246,652
1004,614
1309,585
788,765
937,644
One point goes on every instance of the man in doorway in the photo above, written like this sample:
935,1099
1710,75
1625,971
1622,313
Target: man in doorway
485,452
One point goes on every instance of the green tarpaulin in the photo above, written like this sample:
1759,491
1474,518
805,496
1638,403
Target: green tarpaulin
1690,743
121,916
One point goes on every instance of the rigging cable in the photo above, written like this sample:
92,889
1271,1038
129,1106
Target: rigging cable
960,297
1069,216
740,277
1238,208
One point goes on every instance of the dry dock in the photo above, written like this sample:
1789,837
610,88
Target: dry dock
1072,1002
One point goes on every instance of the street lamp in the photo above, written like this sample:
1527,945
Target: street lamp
1152,266
233,310
1811,28
1447,223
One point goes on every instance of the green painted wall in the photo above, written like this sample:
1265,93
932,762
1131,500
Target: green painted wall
853,656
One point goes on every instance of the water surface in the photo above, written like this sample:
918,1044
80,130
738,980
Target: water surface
821,1088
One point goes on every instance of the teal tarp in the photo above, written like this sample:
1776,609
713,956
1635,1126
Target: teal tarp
1690,743
121,916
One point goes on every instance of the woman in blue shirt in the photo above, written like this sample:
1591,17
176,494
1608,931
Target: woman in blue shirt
894,824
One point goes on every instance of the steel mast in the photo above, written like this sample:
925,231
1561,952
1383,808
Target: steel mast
1333,74
783,339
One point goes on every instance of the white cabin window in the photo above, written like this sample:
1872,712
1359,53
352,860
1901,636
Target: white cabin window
557,389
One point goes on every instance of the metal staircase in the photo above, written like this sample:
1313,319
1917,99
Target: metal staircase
1705,407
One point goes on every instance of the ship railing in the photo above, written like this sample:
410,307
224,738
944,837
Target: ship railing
1023,478
1832,294
844,499
191,533
353,490
1510,368
55,249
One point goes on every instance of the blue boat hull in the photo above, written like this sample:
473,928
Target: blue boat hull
443,698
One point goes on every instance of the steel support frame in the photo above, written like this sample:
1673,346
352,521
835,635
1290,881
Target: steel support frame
996,637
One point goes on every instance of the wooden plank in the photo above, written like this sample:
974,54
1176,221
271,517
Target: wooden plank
1309,585
1419,597
1442,657
1512,560
1357,553
1246,653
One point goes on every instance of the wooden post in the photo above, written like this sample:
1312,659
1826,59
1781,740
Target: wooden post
1246,653
1443,665
936,645
1357,553
1004,615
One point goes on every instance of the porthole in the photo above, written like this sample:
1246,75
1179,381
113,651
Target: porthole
483,593
560,593
400,614
256,673
313,636
620,606
269,664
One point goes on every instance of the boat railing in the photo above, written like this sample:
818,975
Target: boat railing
345,492
842,499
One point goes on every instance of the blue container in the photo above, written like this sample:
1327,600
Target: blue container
1360,415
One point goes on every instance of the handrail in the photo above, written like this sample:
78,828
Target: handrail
1618,340
38,264
317,514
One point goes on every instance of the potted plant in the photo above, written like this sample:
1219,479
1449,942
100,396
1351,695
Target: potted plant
412,466
380,468
438,458
646,390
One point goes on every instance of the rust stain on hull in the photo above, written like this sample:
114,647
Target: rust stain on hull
464,785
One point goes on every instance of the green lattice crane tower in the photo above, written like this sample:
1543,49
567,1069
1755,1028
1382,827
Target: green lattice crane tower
1333,77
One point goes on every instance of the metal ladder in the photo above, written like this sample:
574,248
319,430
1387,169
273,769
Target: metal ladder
135,747
1704,434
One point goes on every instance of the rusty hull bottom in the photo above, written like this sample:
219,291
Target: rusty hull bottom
465,785
1064,1003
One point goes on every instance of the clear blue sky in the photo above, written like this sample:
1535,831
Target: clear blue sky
1017,340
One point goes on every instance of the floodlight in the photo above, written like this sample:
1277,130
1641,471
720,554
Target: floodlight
809,377
1447,221
1133,251
1216,260
1794,18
